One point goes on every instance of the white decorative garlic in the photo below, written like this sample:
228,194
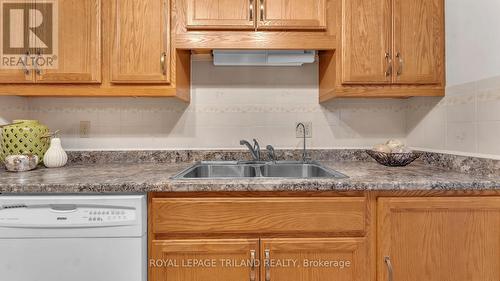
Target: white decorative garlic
55,156
382,148
393,144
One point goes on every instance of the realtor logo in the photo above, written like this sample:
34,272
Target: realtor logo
29,34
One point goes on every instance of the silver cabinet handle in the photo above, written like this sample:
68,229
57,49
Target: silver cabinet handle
251,10
37,69
252,265
400,64
25,67
388,71
262,10
387,261
267,254
163,60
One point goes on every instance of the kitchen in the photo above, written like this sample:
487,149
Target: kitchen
152,109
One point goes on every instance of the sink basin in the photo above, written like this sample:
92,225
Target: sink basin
298,170
220,171
232,169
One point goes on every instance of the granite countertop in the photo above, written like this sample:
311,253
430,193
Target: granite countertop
146,177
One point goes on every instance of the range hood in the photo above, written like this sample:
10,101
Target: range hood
263,57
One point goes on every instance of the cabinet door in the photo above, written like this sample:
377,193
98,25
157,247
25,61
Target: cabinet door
315,259
16,76
292,14
204,260
79,44
366,41
418,41
220,14
140,51
439,239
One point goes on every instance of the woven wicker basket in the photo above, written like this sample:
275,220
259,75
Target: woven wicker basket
394,159
24,137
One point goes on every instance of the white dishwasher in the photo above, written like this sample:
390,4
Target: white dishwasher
73,238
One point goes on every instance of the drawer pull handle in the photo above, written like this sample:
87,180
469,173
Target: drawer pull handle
252,265
262,15
387,261
267,254
388,71
24,62
401,64
251,10
163,60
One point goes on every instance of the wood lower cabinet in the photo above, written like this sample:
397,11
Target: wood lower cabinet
439,239
299,215
140,49
204,260
314,259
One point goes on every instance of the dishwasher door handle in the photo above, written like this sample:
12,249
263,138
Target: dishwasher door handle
63,208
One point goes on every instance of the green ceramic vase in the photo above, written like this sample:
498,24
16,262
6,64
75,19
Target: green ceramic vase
22,137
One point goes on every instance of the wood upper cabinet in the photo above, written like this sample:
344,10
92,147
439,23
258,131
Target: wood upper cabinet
393,42
418,41
291,14
220,14
222,260
140,48
79,44
366,41
16,76
438,239
75,49
260,14
314,259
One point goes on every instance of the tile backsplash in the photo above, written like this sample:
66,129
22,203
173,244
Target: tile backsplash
467,120
228,104
233,103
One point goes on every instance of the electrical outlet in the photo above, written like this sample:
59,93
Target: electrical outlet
299,133
84,129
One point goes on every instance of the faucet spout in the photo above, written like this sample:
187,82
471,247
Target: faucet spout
304,150
254,150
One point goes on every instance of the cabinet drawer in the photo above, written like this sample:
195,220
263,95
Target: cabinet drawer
340,215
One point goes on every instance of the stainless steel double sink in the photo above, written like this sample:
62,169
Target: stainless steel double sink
257,169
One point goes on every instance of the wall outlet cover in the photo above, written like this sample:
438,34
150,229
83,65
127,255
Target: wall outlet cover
84,129
299,130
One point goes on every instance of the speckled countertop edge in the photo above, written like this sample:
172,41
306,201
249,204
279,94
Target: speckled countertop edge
364,175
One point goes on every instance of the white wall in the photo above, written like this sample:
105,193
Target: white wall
472,40
228,104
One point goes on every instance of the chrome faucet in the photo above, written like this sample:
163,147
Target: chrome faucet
304,151
271,153
254,150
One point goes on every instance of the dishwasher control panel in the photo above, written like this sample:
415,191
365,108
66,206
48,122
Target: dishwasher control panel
74,215
109,215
